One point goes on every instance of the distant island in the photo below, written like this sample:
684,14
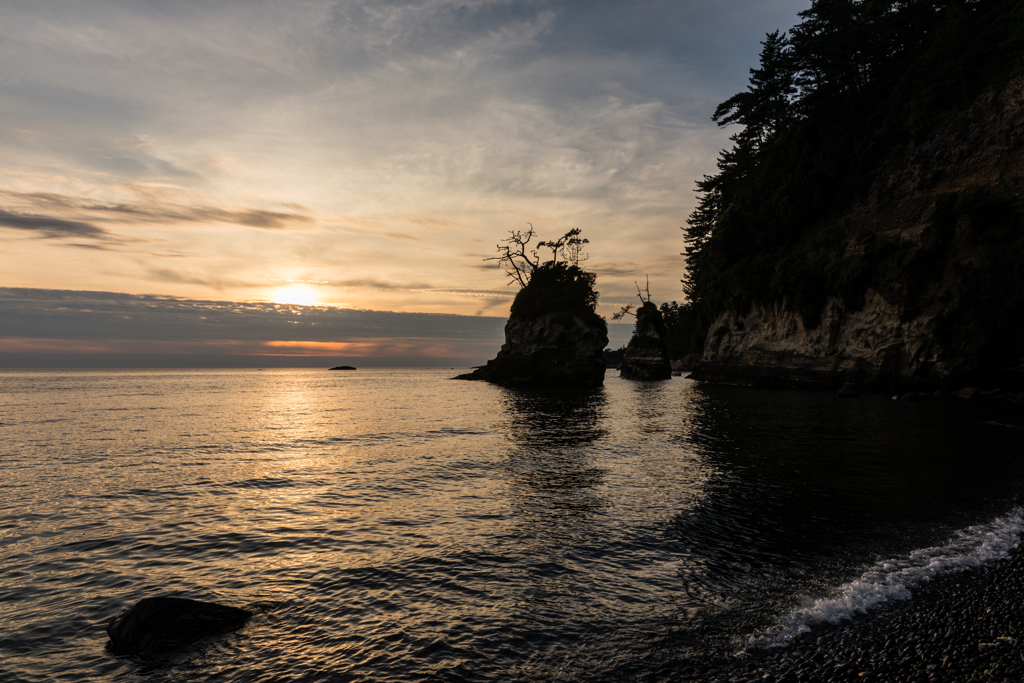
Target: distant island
867,226
342,367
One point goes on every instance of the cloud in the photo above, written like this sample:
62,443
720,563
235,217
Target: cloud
405,351
253,218
402,238
615,269
152,210
370,283
64,324
94,247
83,315
51,228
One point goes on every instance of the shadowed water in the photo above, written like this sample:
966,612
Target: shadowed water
396,525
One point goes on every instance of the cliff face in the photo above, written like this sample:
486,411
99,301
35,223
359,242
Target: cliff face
936,249
871,347
646,356
555,349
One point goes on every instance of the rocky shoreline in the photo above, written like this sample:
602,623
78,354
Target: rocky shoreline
963,627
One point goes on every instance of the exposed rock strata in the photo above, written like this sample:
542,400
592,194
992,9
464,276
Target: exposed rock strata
646,356
870,348
555,349
939,236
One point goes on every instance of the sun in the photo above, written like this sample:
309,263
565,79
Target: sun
297,295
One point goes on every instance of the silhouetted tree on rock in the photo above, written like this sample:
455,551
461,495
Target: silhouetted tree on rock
554,335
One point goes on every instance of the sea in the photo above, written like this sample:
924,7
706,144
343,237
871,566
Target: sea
397,525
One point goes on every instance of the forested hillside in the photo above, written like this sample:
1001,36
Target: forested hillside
831,114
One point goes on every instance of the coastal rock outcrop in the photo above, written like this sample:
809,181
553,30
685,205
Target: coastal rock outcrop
160,625
870,348
553,337
646,355
936,244
555,349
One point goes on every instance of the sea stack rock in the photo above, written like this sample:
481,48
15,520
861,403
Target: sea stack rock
646,356
548,350
553,336
167,624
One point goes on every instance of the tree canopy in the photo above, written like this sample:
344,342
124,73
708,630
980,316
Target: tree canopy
521,260
557,285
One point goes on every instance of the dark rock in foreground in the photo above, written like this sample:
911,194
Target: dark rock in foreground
166,624
646,356
342,367
555,349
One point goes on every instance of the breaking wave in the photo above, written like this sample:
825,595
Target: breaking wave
893,579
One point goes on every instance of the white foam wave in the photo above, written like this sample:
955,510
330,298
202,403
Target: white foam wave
893,579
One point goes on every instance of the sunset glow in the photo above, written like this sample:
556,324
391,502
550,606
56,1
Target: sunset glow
298,295
320,152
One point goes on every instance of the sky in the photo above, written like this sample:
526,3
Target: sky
351,161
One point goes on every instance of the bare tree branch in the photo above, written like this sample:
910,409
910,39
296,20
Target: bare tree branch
623,312
520,260
513,256
640,293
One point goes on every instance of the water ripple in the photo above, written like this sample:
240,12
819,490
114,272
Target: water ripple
396,526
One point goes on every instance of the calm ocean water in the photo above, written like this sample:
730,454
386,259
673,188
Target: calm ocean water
395,525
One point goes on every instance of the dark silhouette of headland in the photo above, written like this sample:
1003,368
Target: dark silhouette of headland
867,226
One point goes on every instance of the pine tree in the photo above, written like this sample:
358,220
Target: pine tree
763,108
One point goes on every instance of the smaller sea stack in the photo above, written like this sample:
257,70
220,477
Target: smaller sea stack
646,356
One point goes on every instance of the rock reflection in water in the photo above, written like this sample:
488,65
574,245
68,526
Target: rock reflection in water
551,469
648,407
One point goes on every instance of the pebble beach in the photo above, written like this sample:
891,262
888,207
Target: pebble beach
961,627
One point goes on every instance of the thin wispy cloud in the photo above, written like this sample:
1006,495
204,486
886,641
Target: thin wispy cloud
413,287
403,238
49,227
214,283
155,211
